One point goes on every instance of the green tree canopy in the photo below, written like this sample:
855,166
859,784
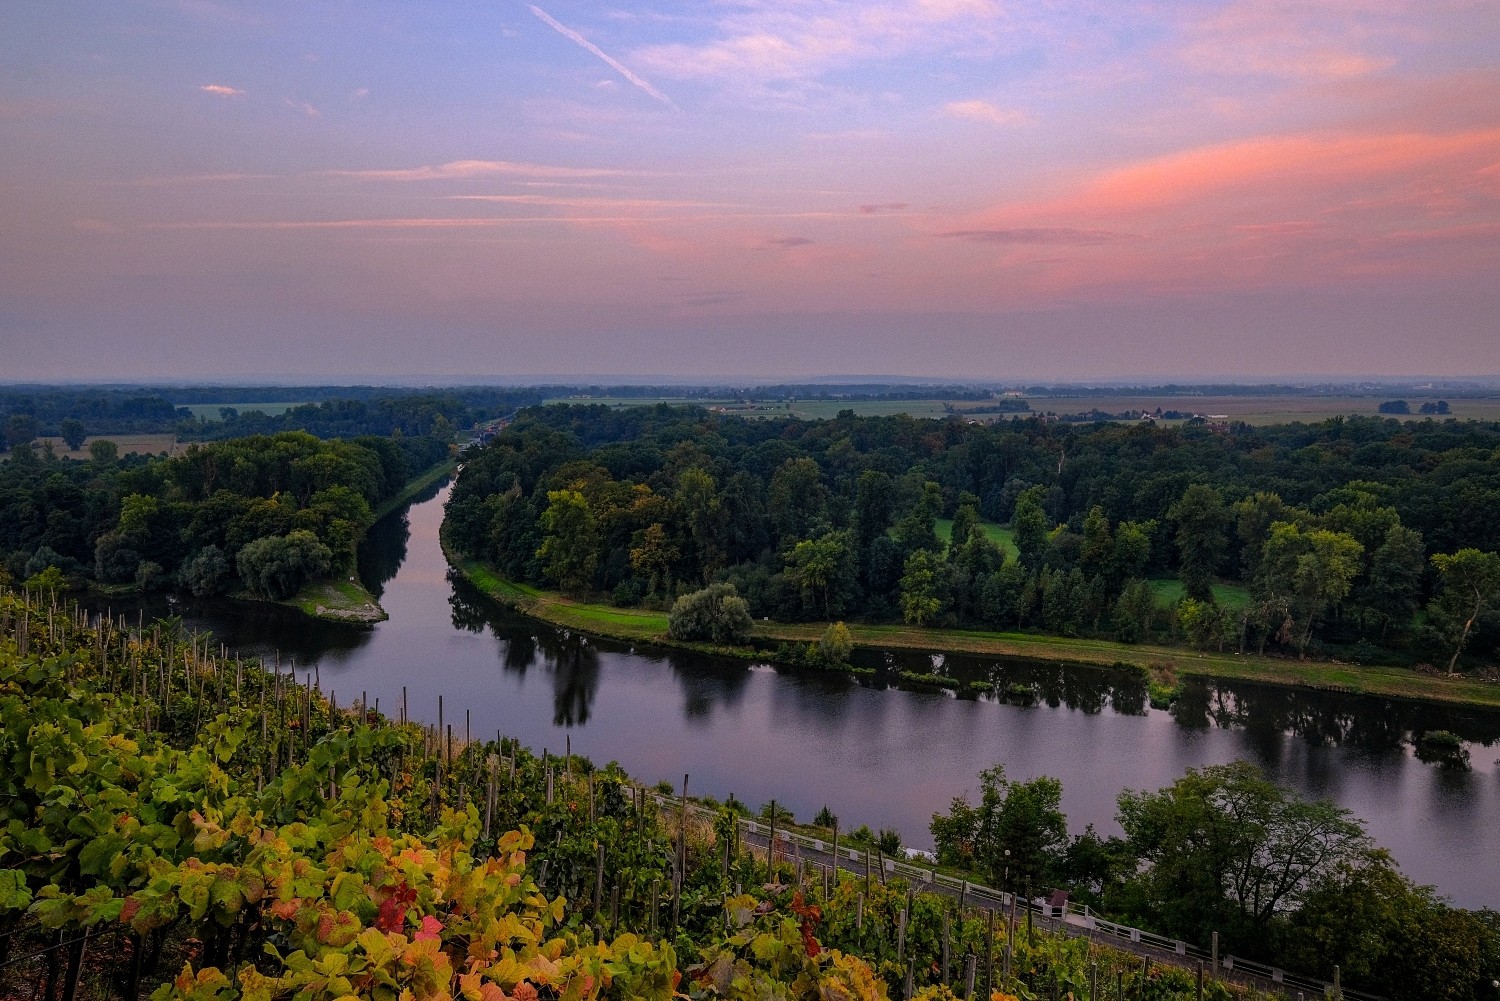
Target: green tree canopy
1017,835
1224,849
1470,589
1201,519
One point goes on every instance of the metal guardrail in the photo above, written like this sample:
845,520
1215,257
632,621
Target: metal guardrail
1085,919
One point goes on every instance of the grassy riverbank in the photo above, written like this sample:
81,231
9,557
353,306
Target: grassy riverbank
337,601
641,626
416,486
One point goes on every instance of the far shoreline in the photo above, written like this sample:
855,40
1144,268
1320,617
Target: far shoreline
639,626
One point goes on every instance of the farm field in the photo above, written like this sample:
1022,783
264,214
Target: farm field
145,444
210,411
803,409
1250,409
1262,409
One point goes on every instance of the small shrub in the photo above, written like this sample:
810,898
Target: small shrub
836,644
716,614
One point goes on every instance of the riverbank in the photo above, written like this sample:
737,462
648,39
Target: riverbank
337,601
641,626
416,486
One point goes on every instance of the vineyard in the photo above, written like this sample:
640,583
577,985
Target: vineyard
182,824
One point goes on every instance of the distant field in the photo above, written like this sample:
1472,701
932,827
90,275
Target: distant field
1250,409
998,534
803,409
1262,409
145,444
210,411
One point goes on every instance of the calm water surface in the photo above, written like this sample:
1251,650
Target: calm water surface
877,755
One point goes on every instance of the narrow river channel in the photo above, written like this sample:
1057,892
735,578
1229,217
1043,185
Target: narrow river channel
876,755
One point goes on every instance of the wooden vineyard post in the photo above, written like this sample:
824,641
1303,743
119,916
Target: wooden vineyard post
655,897
1010,935
598,877
947,947
771,847
901,937
911,969
989,954
835,853
681,848
970,964
1200,980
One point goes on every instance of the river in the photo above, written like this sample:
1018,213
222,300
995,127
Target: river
876,755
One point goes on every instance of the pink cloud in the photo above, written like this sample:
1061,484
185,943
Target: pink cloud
220,90
984,111
1293,210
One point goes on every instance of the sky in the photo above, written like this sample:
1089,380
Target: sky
1090,190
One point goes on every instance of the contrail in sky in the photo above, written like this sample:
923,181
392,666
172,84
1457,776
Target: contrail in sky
615,64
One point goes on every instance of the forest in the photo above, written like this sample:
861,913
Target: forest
1365,539
262,513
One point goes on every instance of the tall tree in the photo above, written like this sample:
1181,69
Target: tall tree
920,600
1224,849
570,549
1016,835
20,429
1096,556
1393,590
72,432
1030,525
698,500
1201,520
797,501
823,568
1470,589
1308,572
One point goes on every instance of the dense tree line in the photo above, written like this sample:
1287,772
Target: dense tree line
342,412
266,513
1371,537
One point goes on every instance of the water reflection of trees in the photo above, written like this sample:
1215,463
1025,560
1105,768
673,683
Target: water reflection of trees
1266,713
382,551
570,660
707,683
1326,719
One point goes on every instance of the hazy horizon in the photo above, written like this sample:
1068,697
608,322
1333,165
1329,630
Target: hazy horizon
197,189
